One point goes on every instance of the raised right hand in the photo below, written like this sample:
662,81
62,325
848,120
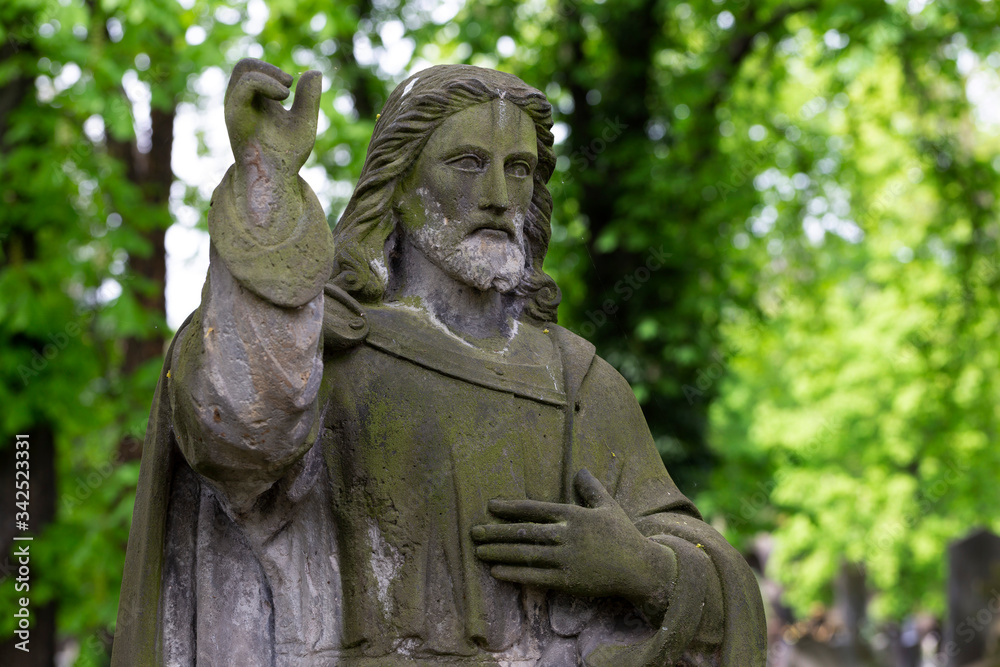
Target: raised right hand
267,139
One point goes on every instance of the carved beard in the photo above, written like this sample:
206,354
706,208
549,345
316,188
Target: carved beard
483,260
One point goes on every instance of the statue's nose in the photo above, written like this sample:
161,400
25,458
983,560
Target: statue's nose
494,194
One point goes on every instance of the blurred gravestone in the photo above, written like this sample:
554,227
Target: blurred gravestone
905,643
973,598
851,595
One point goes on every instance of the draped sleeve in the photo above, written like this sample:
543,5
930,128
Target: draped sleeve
715,613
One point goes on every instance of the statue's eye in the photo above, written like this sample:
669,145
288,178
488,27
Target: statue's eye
519,169
467,163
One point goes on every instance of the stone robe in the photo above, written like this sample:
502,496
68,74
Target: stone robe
361,555
318,510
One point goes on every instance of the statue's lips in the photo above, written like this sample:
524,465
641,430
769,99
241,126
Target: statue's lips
494,229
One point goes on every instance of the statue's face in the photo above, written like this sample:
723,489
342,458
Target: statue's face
464,202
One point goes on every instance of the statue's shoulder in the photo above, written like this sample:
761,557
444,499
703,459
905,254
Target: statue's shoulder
585,366
576,351
344,321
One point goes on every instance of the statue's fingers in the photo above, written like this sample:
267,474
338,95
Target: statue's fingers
254,83
537,533
241,68
590,489
247,65
532,555
528,510
308,90
529,576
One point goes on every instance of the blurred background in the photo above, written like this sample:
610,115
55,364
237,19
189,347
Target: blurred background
777,218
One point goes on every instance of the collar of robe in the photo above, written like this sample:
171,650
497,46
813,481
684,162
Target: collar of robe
410,334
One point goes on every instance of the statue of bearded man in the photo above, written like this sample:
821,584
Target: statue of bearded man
375,447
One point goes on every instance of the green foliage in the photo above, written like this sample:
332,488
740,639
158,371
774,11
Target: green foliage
857,406
71,222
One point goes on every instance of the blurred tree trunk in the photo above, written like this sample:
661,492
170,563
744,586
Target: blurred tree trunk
20,247
152,174
611,137
624,186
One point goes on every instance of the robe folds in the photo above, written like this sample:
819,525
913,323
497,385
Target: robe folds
360,554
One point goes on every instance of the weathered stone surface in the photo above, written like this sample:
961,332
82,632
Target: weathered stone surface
413,465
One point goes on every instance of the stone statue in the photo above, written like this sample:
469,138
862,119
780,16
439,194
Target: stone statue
375,447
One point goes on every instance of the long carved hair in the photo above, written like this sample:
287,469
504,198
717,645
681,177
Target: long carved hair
413,111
